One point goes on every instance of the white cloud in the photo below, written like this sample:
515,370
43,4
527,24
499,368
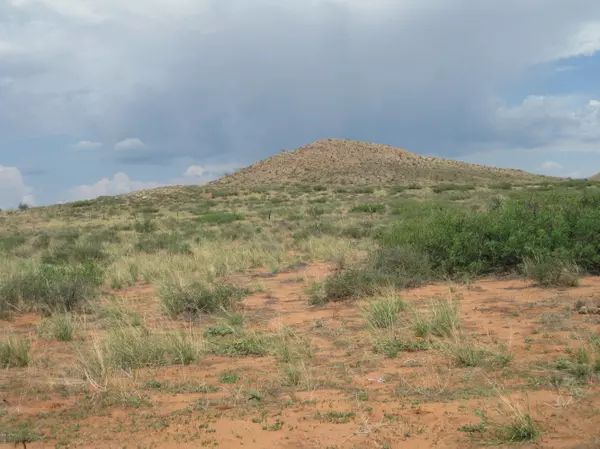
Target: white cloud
194,170
119,184
13,189
215,169
130,144
550,166
86,145
556,121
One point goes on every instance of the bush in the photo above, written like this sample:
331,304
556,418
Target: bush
383,313
442,319
14,353
551,271
198,297
353,283
447,187
69,253
404,267
168,242
10,242
51,288
369,208
501,239
59,327
135,347
219,218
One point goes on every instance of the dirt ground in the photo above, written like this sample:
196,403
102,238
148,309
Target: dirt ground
348,396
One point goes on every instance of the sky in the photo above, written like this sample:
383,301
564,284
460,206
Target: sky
102,97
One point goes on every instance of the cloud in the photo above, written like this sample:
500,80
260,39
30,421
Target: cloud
130,144
197,170
550,166
13,189
558,122
86,145
202,78
194,170
119,184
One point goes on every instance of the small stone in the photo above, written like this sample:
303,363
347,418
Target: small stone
594,310
583,310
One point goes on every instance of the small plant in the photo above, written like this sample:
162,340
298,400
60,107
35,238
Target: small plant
383,313
292,375
552,272
369,208
441,320
515,426
198,297
219,218
219,330
335,417
58,327
391,347
229,377
14,352
353,283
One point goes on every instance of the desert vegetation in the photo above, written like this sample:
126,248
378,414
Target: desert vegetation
305,315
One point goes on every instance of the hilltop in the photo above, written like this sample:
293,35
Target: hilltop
339,161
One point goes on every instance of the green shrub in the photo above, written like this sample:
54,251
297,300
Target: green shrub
51,288
353,283
79,253
198,297
391,347
11,242
14,352
136,347
500,240
168,242
551,271
446,187
404,267
58,327
383,313
442,319
219,218
369,208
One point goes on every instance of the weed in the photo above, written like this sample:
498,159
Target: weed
442,318
198,297
57,327
14,352
383,313
229,377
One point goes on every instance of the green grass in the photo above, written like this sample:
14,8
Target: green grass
219,218
369,208
442,318
14,352
50,288
58,327
383,313
199,297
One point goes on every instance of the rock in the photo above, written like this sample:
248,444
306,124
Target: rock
583,310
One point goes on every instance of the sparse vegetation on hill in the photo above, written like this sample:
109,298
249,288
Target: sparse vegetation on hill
341,162
458,312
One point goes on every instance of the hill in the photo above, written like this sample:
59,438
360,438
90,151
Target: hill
339,161
596,177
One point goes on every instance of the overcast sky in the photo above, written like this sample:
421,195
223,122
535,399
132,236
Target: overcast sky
103,97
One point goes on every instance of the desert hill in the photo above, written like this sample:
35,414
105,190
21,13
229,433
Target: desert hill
596,177
339,161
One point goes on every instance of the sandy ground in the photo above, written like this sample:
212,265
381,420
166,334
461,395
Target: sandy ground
349,396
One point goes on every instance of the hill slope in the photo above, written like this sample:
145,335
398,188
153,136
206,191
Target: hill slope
339,161
596,177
